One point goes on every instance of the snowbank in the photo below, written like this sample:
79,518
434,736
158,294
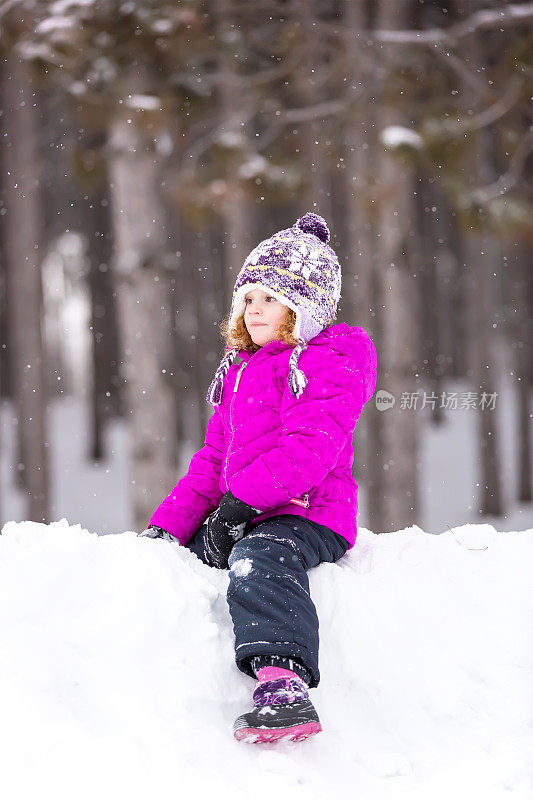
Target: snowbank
117,676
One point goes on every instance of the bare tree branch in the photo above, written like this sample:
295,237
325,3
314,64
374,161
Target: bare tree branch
8,5
192,154
304,114
505,16
467,75
307,113
328,108
497,109
510,178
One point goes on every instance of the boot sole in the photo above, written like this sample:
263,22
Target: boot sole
294,733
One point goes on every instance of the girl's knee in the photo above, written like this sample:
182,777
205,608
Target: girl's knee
239,551
263,548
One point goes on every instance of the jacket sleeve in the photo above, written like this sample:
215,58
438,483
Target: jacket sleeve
198,493
314,429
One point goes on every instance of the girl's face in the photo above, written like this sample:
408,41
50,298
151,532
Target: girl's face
262,316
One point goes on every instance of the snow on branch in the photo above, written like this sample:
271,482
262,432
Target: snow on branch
394,136
507,15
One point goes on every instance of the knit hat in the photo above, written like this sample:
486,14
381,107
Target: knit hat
298,268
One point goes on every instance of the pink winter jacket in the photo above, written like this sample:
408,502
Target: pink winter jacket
279,453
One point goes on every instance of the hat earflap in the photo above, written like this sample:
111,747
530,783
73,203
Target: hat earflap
296,378
214,394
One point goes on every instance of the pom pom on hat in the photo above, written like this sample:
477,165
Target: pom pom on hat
315,224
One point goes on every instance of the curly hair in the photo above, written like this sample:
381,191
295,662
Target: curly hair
237,336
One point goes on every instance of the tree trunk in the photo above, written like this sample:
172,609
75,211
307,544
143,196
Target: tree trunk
425,265
96,224
482,252
521,290
450,291
316,195
235,115
195,277
188,425
358,290
23,229
394,503
5,370
142,285
520,259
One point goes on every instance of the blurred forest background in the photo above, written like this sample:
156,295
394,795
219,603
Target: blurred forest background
148,146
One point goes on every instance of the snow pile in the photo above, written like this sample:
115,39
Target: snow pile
117,676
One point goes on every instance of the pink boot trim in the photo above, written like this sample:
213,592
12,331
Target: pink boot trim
296,733
271,673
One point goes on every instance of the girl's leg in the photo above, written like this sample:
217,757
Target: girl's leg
268,594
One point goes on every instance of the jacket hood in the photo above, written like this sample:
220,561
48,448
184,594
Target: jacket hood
350,341
354,343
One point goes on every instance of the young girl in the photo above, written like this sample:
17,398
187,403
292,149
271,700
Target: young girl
271,494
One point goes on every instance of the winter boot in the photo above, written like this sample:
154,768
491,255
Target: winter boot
282,710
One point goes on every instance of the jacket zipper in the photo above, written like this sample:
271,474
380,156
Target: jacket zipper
304,501
239,376
237,381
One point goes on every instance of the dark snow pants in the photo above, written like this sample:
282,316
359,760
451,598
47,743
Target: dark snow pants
268,593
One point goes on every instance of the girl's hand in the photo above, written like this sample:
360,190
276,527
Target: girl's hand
219,538
234,510
154,532
225,527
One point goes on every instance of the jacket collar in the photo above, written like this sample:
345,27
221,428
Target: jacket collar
275,346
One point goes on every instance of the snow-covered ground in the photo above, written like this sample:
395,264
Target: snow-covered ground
117,676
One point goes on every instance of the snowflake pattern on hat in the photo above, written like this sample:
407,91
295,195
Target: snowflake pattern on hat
297,267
